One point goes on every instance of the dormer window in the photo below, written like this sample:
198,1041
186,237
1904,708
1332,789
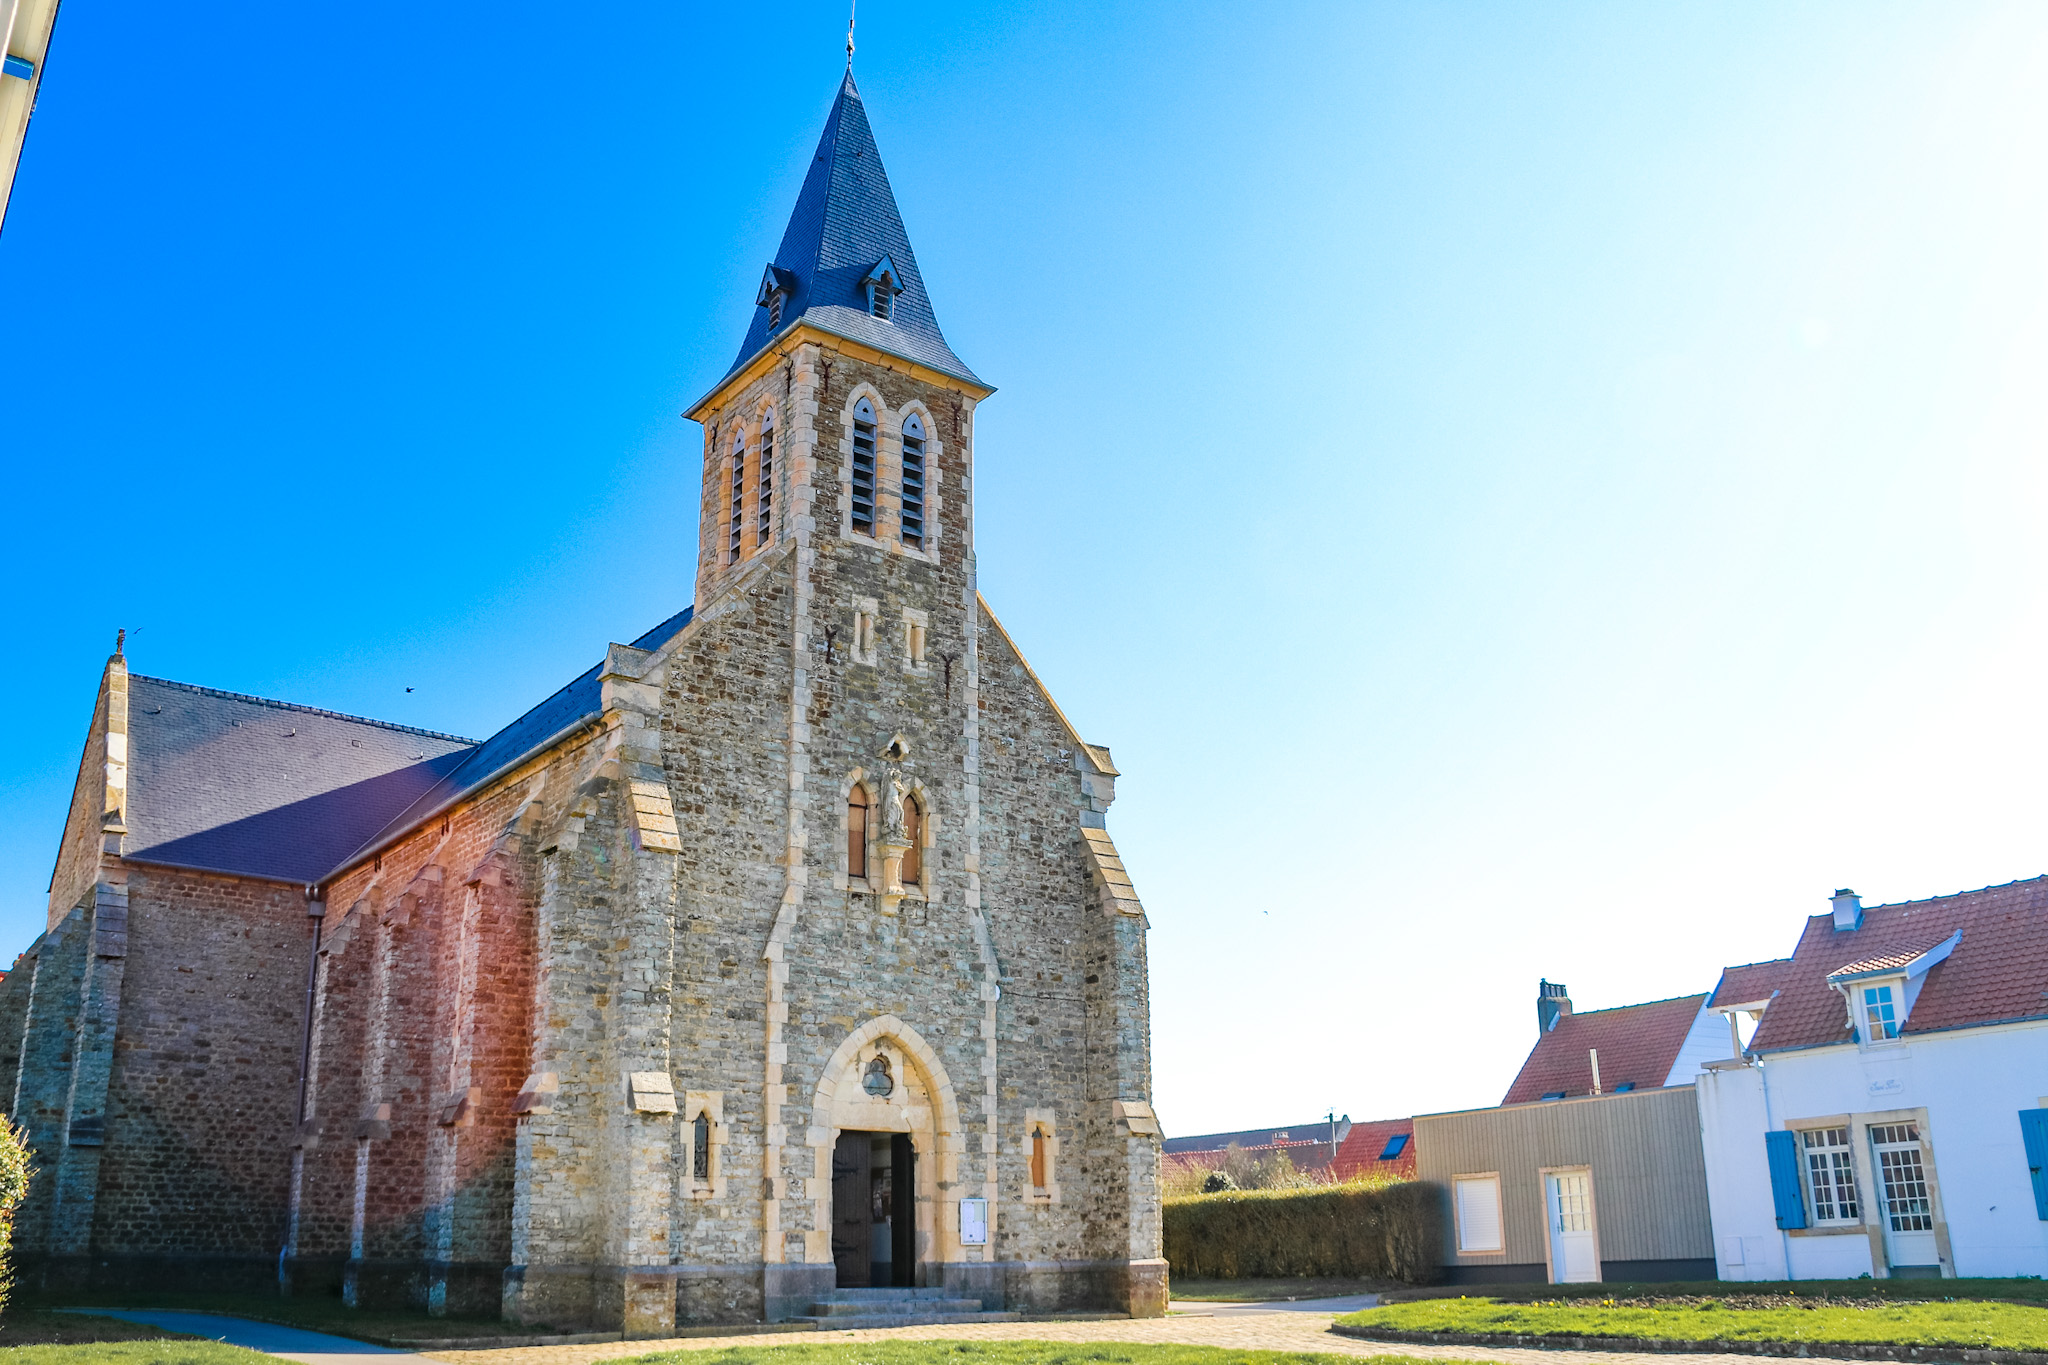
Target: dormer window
883,285
777,285
1880,991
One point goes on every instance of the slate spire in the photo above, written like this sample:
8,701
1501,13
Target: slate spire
845,240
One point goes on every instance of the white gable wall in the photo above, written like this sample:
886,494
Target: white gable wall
1706,1041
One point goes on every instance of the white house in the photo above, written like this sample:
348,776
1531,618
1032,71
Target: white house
1888,1116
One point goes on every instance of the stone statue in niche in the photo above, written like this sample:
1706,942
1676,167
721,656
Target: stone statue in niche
895,840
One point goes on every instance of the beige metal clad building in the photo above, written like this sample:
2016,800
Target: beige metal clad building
1597,1187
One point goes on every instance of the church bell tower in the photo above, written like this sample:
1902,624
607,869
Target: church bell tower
846,420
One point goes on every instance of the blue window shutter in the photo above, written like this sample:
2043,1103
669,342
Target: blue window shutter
2034,1129
1782,1148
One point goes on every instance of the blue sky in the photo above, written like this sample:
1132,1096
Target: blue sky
1523,490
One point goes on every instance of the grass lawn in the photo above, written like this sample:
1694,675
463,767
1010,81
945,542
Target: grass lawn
313,1312
1257,1291
1006,1353
32,1337
1766,1316
169,1351
2018,1291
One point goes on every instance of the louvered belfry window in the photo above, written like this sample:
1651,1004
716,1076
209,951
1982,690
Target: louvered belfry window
764,497
913,481
864,468
857,832
739,494
880,299
913,834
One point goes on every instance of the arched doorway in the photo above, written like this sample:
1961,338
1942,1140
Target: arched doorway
886,1133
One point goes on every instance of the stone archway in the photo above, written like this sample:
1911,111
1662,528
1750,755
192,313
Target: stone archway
921,1104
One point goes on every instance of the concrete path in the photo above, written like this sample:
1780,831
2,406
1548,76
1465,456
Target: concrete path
1263,1328
293,1343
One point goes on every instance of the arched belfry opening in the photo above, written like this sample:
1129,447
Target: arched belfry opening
886,1109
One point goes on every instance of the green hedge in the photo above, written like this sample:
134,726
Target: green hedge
1389,1232
16,1168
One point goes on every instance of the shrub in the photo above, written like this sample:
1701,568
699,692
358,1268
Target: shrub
1364,1230
15,1170
1217,1182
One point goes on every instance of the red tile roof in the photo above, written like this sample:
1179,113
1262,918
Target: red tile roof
1637,1043
1317,1130
1359,1153
1751,982
1901,958
1996,974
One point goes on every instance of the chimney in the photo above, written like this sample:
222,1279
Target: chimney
1552,1004
1848,909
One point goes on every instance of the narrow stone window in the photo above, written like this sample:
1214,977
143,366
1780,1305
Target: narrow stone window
864,468
857,832
700,1149
913,834
739,496
764,496
913,481
864,631
1038,1165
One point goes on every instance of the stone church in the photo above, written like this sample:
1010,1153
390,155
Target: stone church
780,965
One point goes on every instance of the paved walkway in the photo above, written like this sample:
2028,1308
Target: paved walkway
293,1343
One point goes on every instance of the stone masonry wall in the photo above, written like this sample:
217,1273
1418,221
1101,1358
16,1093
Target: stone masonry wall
200,1102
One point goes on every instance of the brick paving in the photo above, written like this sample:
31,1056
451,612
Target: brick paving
1278,1331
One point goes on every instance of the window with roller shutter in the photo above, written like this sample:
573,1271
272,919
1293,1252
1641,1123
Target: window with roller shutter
1477,1205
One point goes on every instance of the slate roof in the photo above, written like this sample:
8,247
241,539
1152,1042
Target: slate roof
1637,1043
577,701
844,223
229,783
1316,1130
1996,974
1359,1153
223,782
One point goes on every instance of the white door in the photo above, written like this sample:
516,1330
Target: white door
1907,1211
1574,1259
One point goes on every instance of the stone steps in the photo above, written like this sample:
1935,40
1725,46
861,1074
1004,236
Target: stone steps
846,1309
869,1320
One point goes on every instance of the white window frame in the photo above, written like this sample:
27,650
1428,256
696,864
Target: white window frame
1845,1153
1897,986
